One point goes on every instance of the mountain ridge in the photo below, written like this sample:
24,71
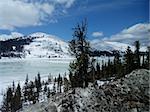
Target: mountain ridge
41,45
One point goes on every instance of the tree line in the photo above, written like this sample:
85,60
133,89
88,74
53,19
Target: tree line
83,70
32,91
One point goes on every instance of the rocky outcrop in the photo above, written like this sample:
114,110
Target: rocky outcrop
128,94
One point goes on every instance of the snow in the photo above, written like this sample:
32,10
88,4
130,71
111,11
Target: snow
109,45
100,83
48,46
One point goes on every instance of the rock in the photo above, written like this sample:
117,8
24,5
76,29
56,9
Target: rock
128,94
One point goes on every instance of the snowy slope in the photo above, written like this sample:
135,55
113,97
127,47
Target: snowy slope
108,45
46,45
50,46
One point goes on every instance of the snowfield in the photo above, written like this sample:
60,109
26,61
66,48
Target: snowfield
48,46
109,46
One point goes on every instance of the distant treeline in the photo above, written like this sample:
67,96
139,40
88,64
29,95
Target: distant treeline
98,53
10,47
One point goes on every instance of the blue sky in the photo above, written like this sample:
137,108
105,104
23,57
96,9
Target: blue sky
58,17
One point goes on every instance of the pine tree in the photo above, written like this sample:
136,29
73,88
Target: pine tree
48,92
27,79
4,106
13,86
31,93
147,62
45,88
129,62
17,100
7,105
39,81
79,47
102,71
37,89
25,89
66,84
54,88
93,73
118,65
137,55
98,70
49,78
58,82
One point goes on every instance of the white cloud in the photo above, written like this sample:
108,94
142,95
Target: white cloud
23,13
97,34
67,3
125,38
139,32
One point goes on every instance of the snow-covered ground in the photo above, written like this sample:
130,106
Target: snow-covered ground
47,45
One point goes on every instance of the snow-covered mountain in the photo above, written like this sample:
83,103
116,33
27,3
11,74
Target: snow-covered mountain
109,46
45,45
37,45
42,45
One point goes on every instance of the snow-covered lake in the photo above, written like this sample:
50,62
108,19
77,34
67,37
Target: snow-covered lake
17,69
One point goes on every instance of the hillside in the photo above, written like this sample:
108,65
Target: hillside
46,46
42,45
34,45
109,46
128,94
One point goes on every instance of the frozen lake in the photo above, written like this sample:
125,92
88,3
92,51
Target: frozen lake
17,69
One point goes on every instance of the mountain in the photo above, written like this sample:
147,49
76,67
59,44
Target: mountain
42,45
45,45
104,45
34,45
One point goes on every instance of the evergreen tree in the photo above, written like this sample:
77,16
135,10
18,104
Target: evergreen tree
118,65
31,93
61,81
4,106
37,89
66,84
27,79
58,82
54,88
13,86
129,62
26,89
49,78
147,62
79,47
25,92
102,71
98,70
48,92
7,105
137,55
17,100
39,81
93,71
45,88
